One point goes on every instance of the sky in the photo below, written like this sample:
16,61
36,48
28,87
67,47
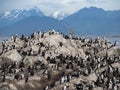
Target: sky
65,6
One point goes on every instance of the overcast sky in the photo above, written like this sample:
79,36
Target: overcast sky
50,6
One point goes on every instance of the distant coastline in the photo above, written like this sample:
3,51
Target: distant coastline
114,36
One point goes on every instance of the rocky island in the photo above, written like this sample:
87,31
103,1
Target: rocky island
55,61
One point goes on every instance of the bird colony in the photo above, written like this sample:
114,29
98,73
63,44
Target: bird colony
55,61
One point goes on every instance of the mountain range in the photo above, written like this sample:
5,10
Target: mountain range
85,21
14,16
94,21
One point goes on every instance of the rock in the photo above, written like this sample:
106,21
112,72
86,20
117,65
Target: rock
13,55
51,45
92,77
4,86
35,48
1,48
63,50
68,46
102,53
19,43
43,60
12,87
29,60
118,50
53,40
112,51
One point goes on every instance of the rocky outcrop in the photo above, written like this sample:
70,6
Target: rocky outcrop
114,51
45,52
13,55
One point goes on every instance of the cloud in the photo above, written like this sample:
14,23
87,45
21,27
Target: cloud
50,6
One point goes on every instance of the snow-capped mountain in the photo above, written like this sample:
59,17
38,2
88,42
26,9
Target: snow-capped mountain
59,15
85,21
16,15
21,14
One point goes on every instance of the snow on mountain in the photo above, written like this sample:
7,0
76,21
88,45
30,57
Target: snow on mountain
7,14
85,21
15,14
59,15
21,14
9,17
